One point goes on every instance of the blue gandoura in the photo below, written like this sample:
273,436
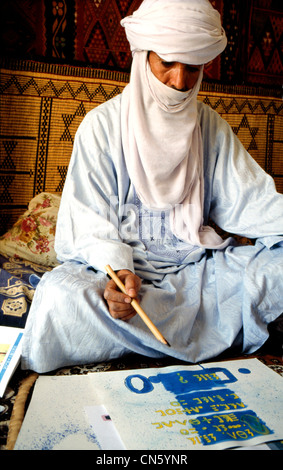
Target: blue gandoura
148,170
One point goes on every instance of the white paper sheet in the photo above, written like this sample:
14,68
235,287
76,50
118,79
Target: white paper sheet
104,428
55,419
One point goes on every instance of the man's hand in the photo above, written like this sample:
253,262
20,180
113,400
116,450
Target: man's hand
119,304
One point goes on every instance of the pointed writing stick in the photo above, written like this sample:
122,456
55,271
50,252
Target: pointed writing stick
137,307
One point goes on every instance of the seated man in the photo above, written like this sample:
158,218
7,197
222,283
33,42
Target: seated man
149,169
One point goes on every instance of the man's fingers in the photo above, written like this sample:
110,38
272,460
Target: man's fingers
119,304
120,313
132,285
113,293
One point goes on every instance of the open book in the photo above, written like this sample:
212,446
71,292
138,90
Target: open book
10,353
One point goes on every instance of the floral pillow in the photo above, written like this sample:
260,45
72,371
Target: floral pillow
32,236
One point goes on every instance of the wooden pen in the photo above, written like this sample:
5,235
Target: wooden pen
137,307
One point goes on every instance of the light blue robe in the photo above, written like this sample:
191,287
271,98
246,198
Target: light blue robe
203,302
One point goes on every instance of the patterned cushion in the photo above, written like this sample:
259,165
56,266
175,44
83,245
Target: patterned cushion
32,236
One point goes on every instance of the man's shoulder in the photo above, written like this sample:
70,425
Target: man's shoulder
204,110
102,115
102,121
208,117
107,108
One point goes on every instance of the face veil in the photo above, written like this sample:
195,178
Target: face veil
161,135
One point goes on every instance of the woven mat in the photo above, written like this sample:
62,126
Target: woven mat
41,110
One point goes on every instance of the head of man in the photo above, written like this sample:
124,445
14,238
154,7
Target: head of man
184,31
176,75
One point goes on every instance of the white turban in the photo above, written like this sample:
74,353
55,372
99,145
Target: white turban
161,134
187,31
